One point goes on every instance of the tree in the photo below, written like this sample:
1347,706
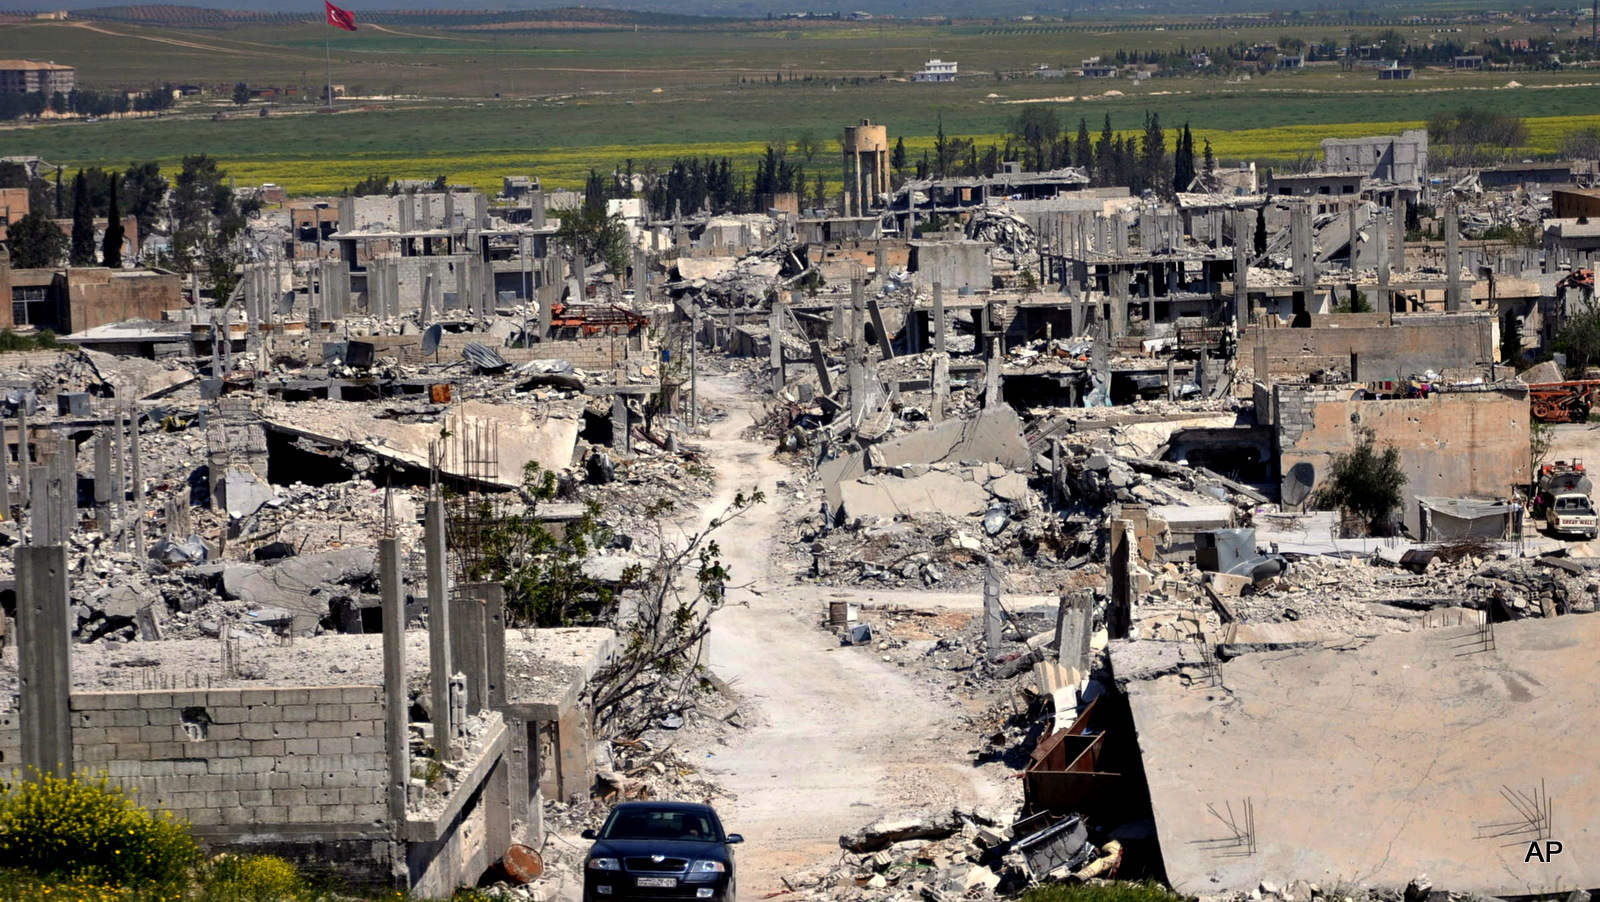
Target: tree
897,159
808,146
661,608
1083,151
1579,339
598,236
111,247
819,194
1153,162
1037,127
82,223
1210,164
1183,162
144,193
1103,165
1261,229
660,668
241,94
1365,483
36,242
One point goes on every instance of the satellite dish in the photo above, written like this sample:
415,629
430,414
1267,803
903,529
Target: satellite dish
430,339
1297,486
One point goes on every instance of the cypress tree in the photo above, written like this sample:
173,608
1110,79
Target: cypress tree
111,247
82,224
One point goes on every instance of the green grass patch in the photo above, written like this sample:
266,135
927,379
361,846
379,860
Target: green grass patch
1116,891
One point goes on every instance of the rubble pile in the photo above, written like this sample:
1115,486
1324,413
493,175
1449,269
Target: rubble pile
959,853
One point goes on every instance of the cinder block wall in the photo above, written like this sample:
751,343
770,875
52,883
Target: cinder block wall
239,764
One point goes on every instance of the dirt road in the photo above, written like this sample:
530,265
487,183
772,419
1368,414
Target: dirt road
837,736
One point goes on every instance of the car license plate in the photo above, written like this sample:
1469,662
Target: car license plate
658,882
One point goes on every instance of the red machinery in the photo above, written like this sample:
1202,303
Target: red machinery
592,319
1564,402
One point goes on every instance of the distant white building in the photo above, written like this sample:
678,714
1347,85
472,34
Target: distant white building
936,70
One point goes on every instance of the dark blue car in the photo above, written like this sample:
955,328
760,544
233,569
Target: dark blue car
660,850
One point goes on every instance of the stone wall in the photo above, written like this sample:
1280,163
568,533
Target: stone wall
1414,344
239,764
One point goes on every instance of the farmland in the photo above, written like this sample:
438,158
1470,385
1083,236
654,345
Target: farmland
557,101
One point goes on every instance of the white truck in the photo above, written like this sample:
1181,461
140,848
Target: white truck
1564,492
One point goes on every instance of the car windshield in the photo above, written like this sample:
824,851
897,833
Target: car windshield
662,824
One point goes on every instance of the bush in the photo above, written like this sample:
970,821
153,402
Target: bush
253,878
86,828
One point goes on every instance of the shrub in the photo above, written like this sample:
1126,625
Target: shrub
253,878
86,828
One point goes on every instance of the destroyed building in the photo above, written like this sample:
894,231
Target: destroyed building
1104,419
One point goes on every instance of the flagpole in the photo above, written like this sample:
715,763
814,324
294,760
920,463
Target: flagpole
327,52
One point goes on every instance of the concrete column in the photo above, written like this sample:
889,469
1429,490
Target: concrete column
858,389
694,366
102,481
1058,472
494,642
467,649
1243,235
1354,240
24,455
939,335
885,347
858,310
48,516
820,363
497,814
396,732
1074,626
993,613
44,658
621,441
1452,258
5,475
941,386
1400,234
439,669
1119,613
136,521
119,483
775,339
991,374
1384,303
1261,363
1119,303
1172,380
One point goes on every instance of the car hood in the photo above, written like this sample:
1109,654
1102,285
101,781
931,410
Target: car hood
672,848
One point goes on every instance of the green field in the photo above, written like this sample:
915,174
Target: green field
572,99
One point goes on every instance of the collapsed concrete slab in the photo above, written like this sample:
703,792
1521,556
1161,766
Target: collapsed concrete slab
887,497
300,584
1376,764
545,436
993,436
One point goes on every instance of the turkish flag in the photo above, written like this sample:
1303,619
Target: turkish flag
340,18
